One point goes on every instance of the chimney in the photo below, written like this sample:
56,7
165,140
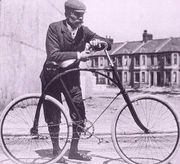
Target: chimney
147,36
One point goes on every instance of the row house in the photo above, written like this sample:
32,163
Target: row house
149,62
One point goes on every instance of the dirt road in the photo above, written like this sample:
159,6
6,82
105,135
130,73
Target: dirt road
104,153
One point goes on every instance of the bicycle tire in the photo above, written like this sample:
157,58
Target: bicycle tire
162,141
16,140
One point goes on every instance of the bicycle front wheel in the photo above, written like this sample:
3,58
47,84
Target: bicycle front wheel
157,146
17,141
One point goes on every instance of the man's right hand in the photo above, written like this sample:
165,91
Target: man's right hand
84,55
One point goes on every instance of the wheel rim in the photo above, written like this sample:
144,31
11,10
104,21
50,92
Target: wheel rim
16,139
156,147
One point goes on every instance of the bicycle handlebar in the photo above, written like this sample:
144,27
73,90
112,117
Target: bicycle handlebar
101,46
106,52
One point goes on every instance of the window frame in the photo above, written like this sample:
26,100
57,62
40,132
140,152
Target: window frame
135,77
137,61
143,60
175,58
143,78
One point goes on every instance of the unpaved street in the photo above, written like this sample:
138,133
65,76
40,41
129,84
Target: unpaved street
104,152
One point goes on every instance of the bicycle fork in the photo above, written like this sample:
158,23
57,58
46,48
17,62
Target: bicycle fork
134,114
125,95
34,129
129,103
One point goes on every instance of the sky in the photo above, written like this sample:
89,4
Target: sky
125,20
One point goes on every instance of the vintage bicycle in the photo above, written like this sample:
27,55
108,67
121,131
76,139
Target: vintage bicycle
145,129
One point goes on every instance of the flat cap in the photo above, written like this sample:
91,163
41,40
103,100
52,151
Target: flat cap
75,5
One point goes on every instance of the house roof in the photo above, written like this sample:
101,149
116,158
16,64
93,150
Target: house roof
128,47
151,46
116,47
172,45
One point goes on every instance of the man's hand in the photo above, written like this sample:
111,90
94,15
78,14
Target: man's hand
97,44
84,55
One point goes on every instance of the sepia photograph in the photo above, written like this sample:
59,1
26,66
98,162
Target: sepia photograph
89,82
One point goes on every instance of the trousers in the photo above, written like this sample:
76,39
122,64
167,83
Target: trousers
72,82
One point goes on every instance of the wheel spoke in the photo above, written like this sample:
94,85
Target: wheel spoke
16,139
159,144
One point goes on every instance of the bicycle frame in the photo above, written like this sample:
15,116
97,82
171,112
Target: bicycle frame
116,80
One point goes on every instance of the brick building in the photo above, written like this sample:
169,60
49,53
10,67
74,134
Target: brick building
149,62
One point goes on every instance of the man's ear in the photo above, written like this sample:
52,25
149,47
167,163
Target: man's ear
67,13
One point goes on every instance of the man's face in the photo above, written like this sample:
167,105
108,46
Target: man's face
75,19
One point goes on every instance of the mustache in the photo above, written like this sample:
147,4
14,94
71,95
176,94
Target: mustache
75,20
78,21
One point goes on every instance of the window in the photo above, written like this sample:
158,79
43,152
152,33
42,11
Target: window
143,77
125,77
159,59
137,61
143,60
152,60
174,77
120,75
168,60
114,60
105,62
125,60
100,79
119,61
136,77
168,78
101,63
96,62
175,59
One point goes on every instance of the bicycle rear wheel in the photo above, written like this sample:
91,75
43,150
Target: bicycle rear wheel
16,139
157,146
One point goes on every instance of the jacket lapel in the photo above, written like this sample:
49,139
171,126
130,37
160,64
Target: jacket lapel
66,32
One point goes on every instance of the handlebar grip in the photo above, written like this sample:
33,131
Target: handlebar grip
102,46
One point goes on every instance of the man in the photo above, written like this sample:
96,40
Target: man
66,41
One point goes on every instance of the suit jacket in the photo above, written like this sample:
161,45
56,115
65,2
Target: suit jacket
60,45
